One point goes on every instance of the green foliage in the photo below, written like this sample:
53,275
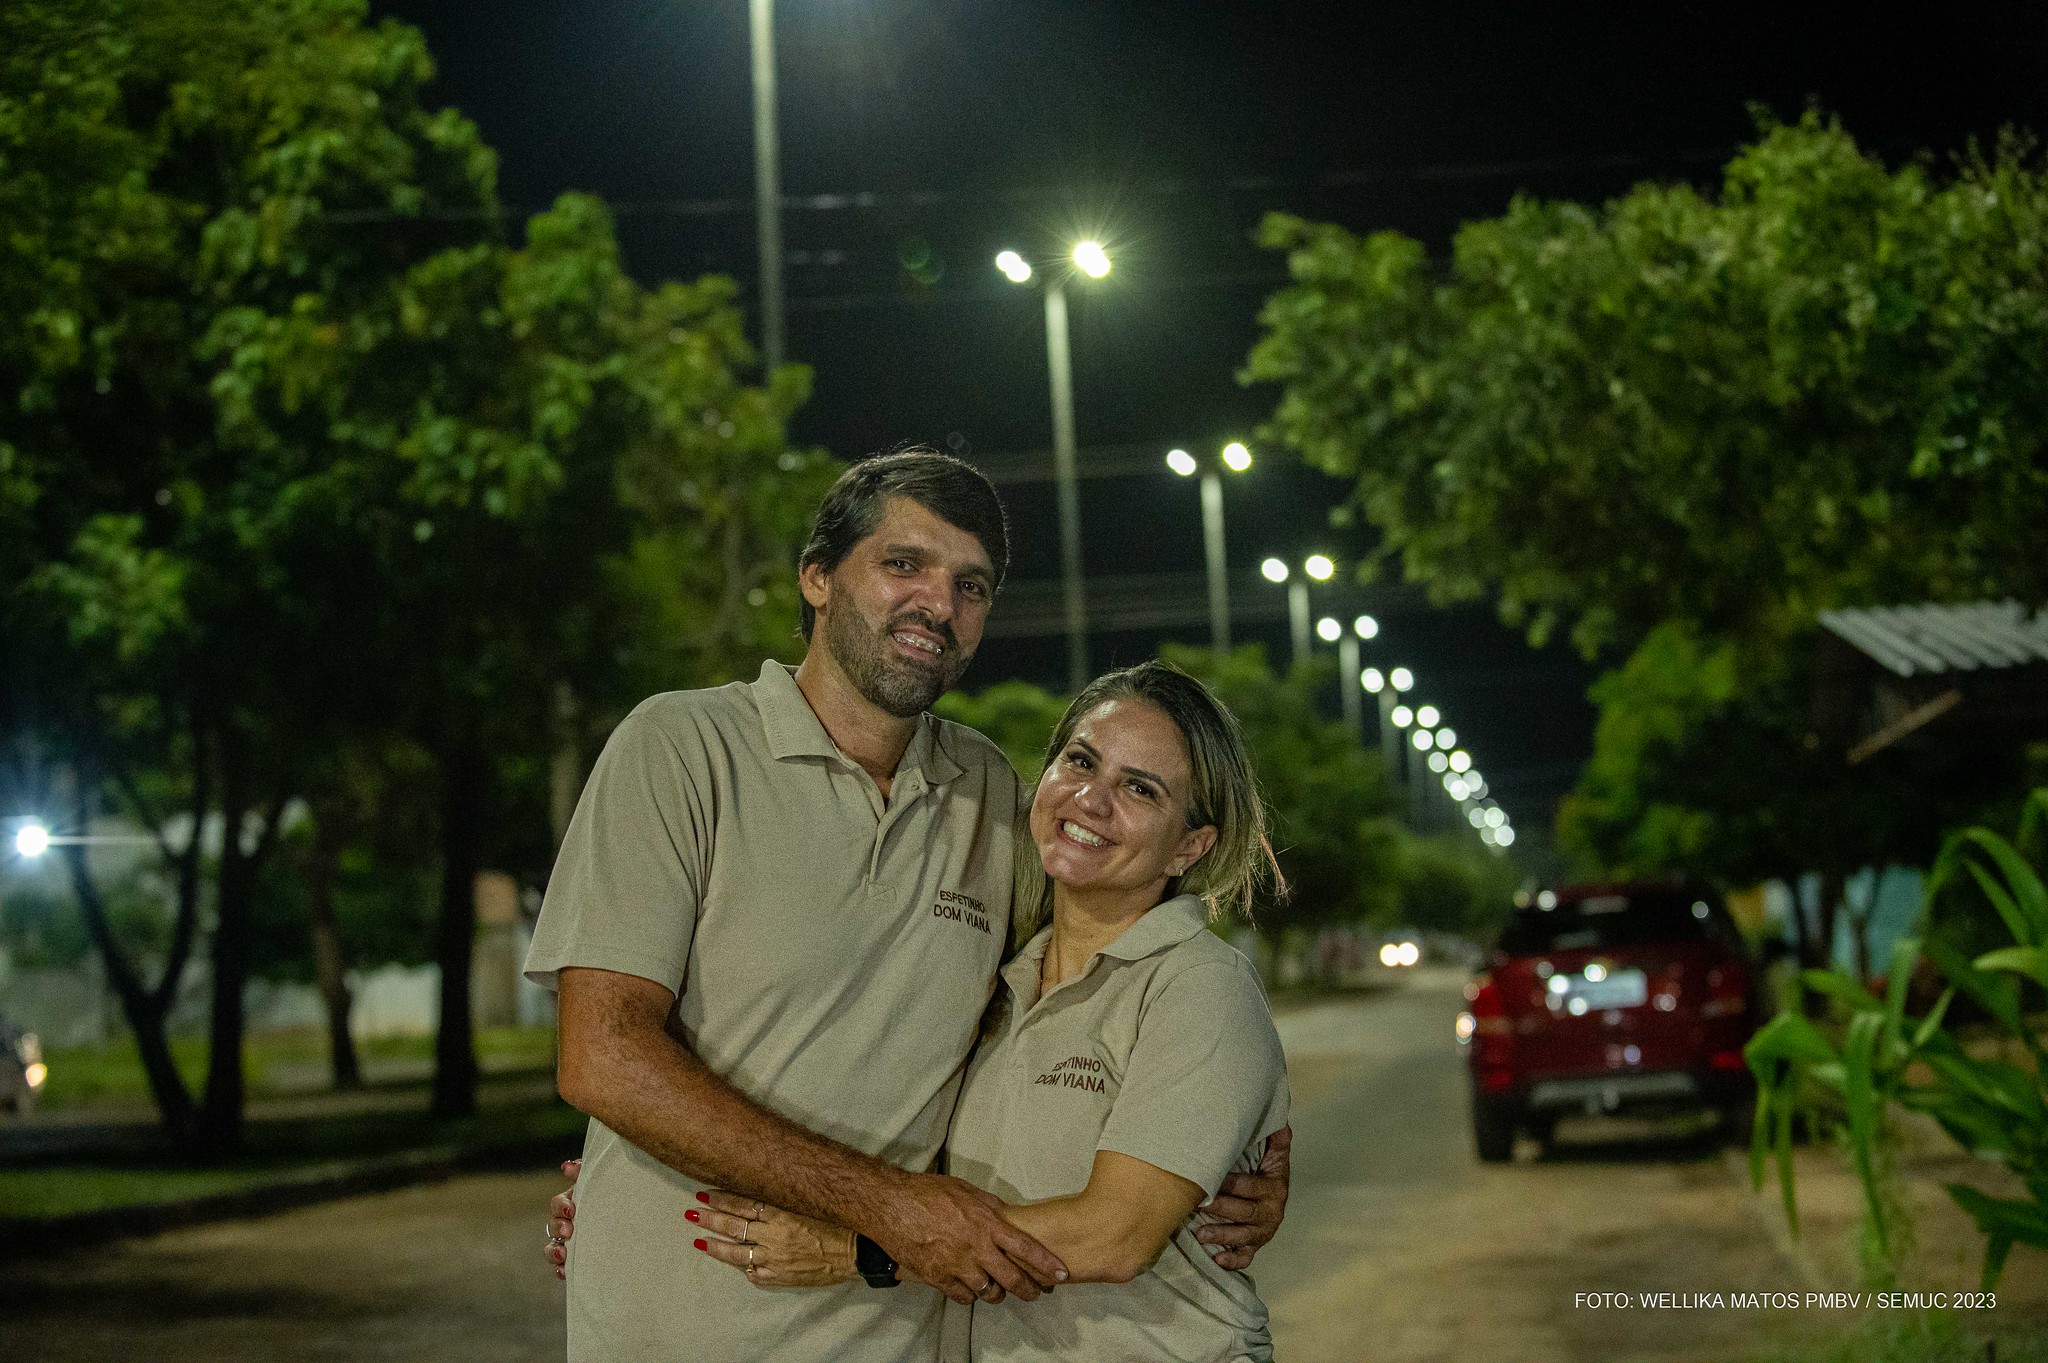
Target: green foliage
1992,1107
1702,764
1814,390
1016,715
300,456
1680,425
1451,883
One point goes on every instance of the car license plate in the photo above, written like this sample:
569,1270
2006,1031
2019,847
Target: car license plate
1614,989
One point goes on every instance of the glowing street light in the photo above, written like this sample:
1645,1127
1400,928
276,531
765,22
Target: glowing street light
1372,681
1447,738
1274,569
1461,761
1014,267
1327,629
1365,627
32,839
1423,740
1402,716
1236,457
1439,763
1401,679
1091,259
1181,462
1427,717
1319,567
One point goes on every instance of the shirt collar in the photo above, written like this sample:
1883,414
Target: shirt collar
794,730
1165,925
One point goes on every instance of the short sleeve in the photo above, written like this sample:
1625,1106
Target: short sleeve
626,886
1205,1079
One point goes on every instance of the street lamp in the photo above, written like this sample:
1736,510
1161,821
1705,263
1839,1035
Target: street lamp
767,179
32,839
1237,459
1088,258
1322,569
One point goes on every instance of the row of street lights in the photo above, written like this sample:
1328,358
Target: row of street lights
1432,747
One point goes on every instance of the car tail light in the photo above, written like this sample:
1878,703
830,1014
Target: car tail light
1727,993
1727,1060
1493,1041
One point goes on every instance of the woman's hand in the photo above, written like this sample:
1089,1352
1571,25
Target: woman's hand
562,1218
774,1248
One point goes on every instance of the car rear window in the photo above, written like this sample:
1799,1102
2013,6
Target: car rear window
1605,922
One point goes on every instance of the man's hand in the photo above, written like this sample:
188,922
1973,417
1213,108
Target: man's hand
1249,1207
952,1235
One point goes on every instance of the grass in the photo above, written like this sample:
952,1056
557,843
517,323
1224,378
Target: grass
274,1062
281,1152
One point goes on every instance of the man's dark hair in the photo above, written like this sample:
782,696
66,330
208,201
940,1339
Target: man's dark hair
956,492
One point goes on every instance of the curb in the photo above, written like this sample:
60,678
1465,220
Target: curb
22,1237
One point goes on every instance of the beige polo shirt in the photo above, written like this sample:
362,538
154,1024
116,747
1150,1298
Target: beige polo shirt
1162,1048
832,957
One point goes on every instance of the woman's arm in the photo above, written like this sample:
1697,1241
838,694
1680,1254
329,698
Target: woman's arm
1113,1229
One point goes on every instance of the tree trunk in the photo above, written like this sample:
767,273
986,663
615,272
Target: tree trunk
464,777
330,965
220,1117
144,1011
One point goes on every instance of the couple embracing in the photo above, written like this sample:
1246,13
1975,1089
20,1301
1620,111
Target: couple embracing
887,1058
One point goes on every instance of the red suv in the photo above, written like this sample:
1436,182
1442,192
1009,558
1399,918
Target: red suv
1603,997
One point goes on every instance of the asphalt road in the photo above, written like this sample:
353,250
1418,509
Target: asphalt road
1400,1247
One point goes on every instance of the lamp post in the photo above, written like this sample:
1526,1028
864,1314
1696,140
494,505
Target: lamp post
767,179
1091,260
1317,566
1351,680
1237,459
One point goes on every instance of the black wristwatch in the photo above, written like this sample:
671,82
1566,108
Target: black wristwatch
873,1263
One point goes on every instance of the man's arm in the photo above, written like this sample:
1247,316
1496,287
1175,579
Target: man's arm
618,1063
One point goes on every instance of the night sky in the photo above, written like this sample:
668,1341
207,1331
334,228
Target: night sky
921,138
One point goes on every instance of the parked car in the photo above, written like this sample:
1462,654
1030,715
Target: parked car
22,1071
1601,998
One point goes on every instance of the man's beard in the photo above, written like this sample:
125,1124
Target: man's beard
896,684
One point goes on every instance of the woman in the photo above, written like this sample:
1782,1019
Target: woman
1128,1060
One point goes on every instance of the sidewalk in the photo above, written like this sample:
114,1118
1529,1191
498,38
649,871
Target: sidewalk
1946,1252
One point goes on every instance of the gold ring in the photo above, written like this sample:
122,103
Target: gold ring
746,1232
750,1261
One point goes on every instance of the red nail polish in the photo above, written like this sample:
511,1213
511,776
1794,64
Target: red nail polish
700,1244
691,1215
703,1197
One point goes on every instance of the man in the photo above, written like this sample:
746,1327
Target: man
774,926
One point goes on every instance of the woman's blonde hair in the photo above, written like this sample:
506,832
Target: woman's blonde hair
1223,791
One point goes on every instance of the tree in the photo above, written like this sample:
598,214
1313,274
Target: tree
1816,390
1682,425
564,483
169,170
310,459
